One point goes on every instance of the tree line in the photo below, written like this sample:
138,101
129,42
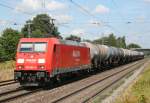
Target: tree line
43,26
112,40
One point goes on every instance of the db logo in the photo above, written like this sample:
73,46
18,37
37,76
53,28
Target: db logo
76,53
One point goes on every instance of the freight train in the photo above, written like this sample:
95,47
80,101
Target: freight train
41,60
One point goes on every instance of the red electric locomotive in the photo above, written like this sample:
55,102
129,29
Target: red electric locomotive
38,60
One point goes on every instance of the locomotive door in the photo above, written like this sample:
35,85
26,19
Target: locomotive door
57,47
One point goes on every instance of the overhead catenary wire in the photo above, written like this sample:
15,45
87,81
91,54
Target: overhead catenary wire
3,22
115,4
62,24
12,8
82,8
21,11
93,16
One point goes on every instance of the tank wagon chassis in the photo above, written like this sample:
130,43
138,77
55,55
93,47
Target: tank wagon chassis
45,60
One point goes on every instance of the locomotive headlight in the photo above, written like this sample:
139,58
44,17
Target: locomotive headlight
42,67
20,67
20,60
41,60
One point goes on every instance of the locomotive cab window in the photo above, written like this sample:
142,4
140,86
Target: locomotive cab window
40,47
33,47
26,47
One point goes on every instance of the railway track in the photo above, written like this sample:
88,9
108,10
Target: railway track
64,97
16,93
107,86
7,82
74,94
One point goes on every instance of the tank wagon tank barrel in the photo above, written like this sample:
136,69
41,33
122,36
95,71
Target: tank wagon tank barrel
109,55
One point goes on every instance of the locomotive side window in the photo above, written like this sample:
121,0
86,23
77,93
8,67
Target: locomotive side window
40,47
26,47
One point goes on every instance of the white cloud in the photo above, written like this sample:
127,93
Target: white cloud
27,5
36,5
101,9
147,0
53,5
140,19
3,22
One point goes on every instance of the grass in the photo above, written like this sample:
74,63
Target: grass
139,92
6,70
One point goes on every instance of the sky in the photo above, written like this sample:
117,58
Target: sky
92,19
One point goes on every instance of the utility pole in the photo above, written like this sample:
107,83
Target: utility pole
102,38
29,28
52,22
43,4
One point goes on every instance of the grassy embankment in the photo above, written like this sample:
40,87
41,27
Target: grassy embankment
6,70
139,92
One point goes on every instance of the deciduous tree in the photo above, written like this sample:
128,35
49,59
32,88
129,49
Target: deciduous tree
8,43
41,26
133,45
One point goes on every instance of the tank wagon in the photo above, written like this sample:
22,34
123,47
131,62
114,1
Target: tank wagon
41,60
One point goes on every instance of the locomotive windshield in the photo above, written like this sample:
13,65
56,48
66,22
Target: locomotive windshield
33,47
39,47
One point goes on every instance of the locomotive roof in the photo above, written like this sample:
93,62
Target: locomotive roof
61,41
35,39
70,42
